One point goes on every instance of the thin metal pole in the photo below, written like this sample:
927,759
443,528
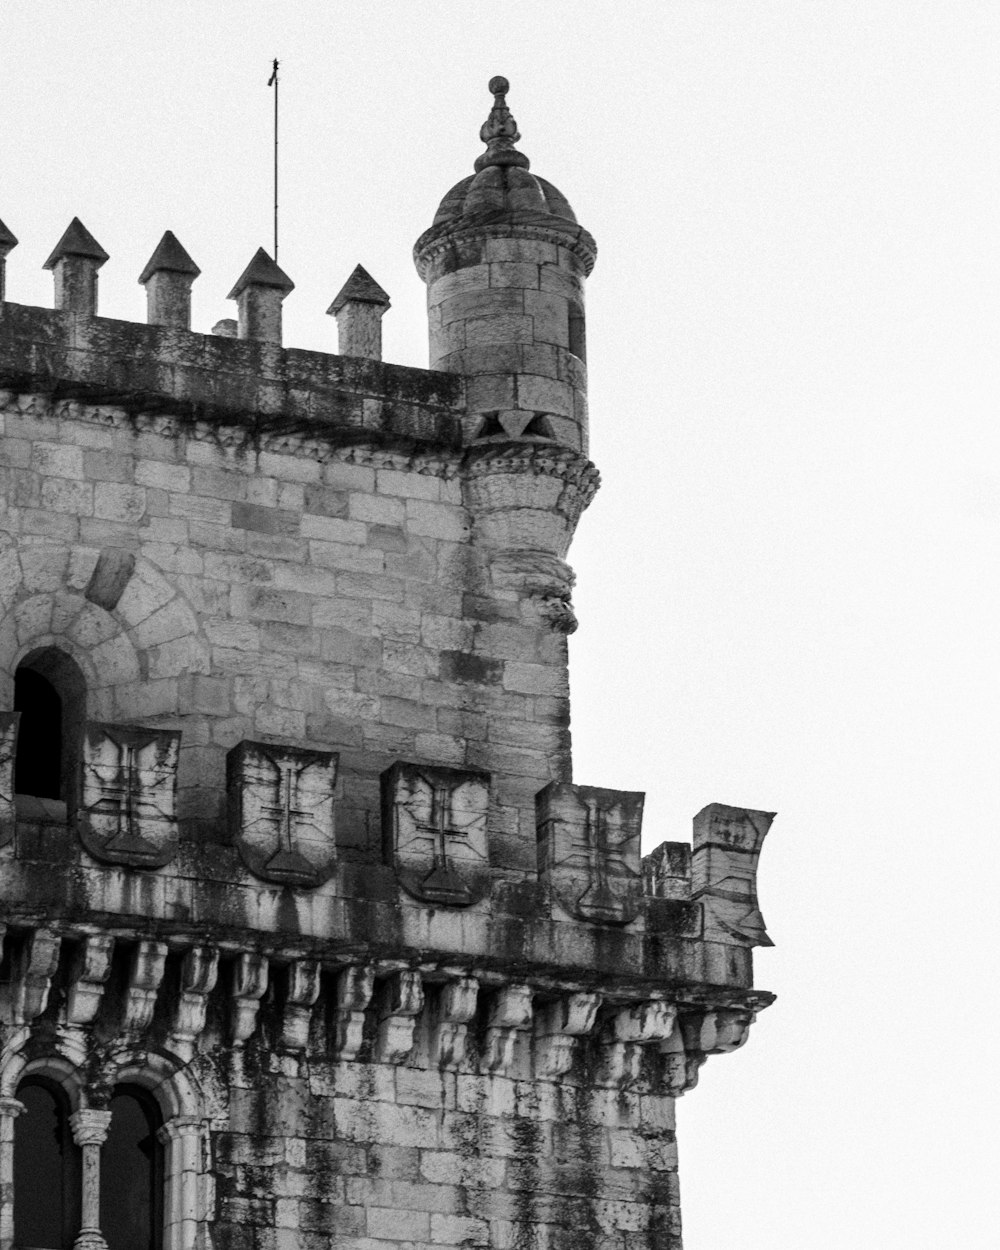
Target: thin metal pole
274,82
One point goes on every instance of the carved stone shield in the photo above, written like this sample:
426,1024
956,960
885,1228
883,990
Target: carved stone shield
588,841
281,811
434,831
127,813
8,756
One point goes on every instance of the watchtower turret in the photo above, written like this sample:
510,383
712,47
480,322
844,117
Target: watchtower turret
505,263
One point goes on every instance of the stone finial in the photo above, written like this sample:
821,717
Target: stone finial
499,132
259,293
167,277
359,307
75,261
8,242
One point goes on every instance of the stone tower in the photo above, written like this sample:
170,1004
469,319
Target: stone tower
310,938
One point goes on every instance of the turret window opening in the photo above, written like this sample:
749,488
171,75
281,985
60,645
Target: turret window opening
577,332
50,694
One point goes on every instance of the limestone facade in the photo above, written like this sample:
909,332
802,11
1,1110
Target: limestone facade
310,868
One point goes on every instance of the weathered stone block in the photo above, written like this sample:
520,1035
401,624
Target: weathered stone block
281,811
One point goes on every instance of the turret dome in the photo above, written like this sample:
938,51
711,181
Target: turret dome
502,183
503,189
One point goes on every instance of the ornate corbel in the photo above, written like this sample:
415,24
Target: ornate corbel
354,992
400,1002
249,987
302,992
557,1027
454,1008
509,1019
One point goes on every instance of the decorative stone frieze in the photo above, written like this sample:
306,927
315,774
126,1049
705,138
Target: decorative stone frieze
527,496
8,758
434,831
727,842
281,811
127,811
588,842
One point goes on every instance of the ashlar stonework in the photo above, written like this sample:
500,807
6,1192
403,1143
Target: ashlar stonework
292,862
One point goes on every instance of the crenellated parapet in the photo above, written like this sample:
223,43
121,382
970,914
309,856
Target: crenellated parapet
593,910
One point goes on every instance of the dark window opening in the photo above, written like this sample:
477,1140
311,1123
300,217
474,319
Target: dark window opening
132,1172
49,693
46,1169
577,332
38,768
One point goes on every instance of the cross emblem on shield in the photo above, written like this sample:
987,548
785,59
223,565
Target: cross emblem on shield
434,825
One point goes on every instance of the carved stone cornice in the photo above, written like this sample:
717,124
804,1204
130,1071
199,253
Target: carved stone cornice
548,459
504,224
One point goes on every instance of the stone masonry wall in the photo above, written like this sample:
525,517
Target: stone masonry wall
307,593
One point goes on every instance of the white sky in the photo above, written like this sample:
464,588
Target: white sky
787,583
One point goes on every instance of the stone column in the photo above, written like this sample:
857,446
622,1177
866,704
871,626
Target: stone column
10,1109
90,1130
182,1139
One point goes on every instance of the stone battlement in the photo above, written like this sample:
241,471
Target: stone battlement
250,392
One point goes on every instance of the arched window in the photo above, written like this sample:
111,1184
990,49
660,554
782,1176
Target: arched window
46,1169
50,694
132,1172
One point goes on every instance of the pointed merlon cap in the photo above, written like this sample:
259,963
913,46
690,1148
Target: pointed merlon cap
169,257
8,241
360,288
77,241
499,131
262,271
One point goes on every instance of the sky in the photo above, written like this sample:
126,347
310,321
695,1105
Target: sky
787,582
